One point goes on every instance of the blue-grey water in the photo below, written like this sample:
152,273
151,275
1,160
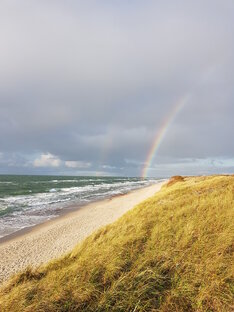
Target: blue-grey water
29,200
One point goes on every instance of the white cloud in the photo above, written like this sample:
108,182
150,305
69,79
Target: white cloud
47,160
77,164
109,167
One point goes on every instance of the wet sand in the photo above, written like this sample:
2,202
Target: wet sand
44,242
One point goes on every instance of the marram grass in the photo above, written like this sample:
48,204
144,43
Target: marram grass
173,252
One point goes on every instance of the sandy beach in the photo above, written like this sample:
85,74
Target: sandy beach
58,236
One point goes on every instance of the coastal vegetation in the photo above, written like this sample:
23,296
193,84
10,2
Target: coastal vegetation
173,252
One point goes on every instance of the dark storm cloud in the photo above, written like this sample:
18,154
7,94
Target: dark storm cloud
91,82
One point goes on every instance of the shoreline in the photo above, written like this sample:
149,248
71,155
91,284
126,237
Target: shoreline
66,210
28,229
43,242
69,209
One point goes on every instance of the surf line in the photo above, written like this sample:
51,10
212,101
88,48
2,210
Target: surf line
161,133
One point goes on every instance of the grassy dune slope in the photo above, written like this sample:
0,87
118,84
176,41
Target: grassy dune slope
173,252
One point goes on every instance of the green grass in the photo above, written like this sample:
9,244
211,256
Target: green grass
173,252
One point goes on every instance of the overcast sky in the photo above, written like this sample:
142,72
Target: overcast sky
86,85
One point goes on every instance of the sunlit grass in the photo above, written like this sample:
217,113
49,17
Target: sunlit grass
173,252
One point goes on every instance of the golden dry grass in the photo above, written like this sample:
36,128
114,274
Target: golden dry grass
173,252
174,180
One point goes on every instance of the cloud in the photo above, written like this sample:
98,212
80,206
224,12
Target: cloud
192,166
47,160
77,164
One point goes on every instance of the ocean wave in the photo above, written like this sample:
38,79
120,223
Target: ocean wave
63,194
62,181
53,190
17,211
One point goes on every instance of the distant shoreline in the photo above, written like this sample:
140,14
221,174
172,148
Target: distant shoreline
38,244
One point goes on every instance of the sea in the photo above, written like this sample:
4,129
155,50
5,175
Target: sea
29,200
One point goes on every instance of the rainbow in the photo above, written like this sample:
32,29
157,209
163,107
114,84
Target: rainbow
162,132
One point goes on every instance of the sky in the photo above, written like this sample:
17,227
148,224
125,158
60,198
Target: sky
87,86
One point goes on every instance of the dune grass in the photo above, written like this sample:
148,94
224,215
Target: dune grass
173,252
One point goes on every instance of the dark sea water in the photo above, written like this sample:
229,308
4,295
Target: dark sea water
30,200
